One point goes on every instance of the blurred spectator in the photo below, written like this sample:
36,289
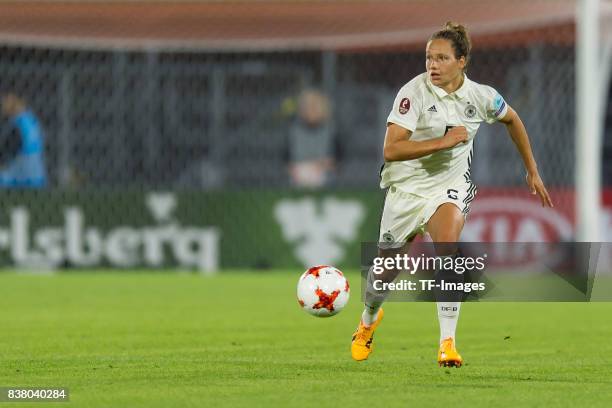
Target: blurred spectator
311,141
23,144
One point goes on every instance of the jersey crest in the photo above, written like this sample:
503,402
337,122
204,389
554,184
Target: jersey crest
470,111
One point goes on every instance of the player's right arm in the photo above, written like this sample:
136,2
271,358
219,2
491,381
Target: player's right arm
402,122
399,147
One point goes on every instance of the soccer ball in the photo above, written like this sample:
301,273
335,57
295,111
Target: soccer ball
323,291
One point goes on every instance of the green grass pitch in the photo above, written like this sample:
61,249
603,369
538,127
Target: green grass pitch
239,339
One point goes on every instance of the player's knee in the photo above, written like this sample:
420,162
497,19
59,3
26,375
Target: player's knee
445,236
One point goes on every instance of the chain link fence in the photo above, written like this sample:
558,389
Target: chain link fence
205,121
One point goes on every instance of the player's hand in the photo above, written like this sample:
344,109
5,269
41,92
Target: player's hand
454,136
536,186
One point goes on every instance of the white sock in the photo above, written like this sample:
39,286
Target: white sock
448,315
373,300
370,314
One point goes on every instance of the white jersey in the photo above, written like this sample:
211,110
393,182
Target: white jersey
428,111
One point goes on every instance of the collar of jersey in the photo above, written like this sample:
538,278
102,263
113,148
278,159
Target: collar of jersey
461,92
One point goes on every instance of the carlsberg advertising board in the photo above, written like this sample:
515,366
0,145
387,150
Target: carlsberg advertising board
188,230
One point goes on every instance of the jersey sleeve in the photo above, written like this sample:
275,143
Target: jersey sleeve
495,105
406,107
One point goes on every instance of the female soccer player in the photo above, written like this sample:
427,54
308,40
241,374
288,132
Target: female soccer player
427,152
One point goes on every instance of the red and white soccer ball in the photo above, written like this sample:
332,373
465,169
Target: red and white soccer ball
323,291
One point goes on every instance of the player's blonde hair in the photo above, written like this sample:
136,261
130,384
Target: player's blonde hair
458,36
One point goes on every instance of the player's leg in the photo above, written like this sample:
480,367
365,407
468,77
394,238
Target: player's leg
375,298
372,315
397,229
445,227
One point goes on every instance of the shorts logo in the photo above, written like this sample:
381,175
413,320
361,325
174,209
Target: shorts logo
470,111
404,106
387,237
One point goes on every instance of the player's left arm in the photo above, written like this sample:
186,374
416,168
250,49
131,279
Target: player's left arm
518,133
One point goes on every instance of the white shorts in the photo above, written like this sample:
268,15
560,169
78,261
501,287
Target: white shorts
406,214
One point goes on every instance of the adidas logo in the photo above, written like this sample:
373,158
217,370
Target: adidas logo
432,109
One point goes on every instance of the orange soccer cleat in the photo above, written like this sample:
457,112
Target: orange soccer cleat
448,355
361,345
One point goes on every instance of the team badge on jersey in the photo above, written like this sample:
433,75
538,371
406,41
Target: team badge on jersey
404,106
470,111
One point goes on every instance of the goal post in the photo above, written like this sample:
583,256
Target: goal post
589,119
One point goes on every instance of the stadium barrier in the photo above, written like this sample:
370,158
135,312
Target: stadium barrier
208,231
